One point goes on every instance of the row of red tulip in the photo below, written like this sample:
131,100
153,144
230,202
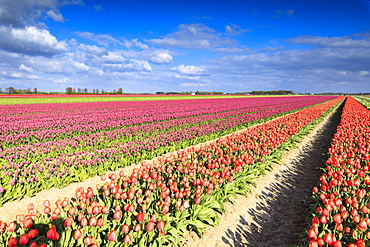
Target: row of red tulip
157,203
342,216
42,164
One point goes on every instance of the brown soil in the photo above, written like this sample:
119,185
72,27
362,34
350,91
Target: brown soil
274,214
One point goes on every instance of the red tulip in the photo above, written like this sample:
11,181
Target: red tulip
165,208
117,215
12,227
68,221
47,210
77,234
161,224
141,217
312,234
328,238
84,222
100,222
72,210
88,240
127,239
27,223
33,244
150,226
33,233
112,236
52,234
12,242
137,227
24,239
125,228
92,221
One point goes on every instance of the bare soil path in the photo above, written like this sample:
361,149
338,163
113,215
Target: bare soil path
276,212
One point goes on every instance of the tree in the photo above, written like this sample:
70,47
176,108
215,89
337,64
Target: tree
10,90
102,91
120,91
97,91
28,90
1,90
74,90
68,90
35,91
85,90
78,90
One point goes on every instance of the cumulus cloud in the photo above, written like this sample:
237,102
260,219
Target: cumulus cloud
92,49
60,65
28,69
344,41
193,84
108,61
193,36
128,65
190,70
105,39
22,13
331,65
159,56
134,42
234,29
55,16
236,50
30,40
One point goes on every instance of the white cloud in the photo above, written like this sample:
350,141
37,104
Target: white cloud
33,77
129,65
113,57
92,49
191,70
59,65
236,50
195,37
193,84
160,57
30,40
234,29
21,13
134,42
28,69
55,16
17,75
344,41
105,39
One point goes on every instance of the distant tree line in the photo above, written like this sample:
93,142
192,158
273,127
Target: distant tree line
273,92
12,90
70,90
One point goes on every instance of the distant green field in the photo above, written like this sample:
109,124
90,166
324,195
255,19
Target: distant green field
12,100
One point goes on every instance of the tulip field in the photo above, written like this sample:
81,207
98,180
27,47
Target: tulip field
55,144
364,101
342,208
50,146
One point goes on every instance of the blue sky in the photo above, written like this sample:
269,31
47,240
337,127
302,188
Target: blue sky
149,46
